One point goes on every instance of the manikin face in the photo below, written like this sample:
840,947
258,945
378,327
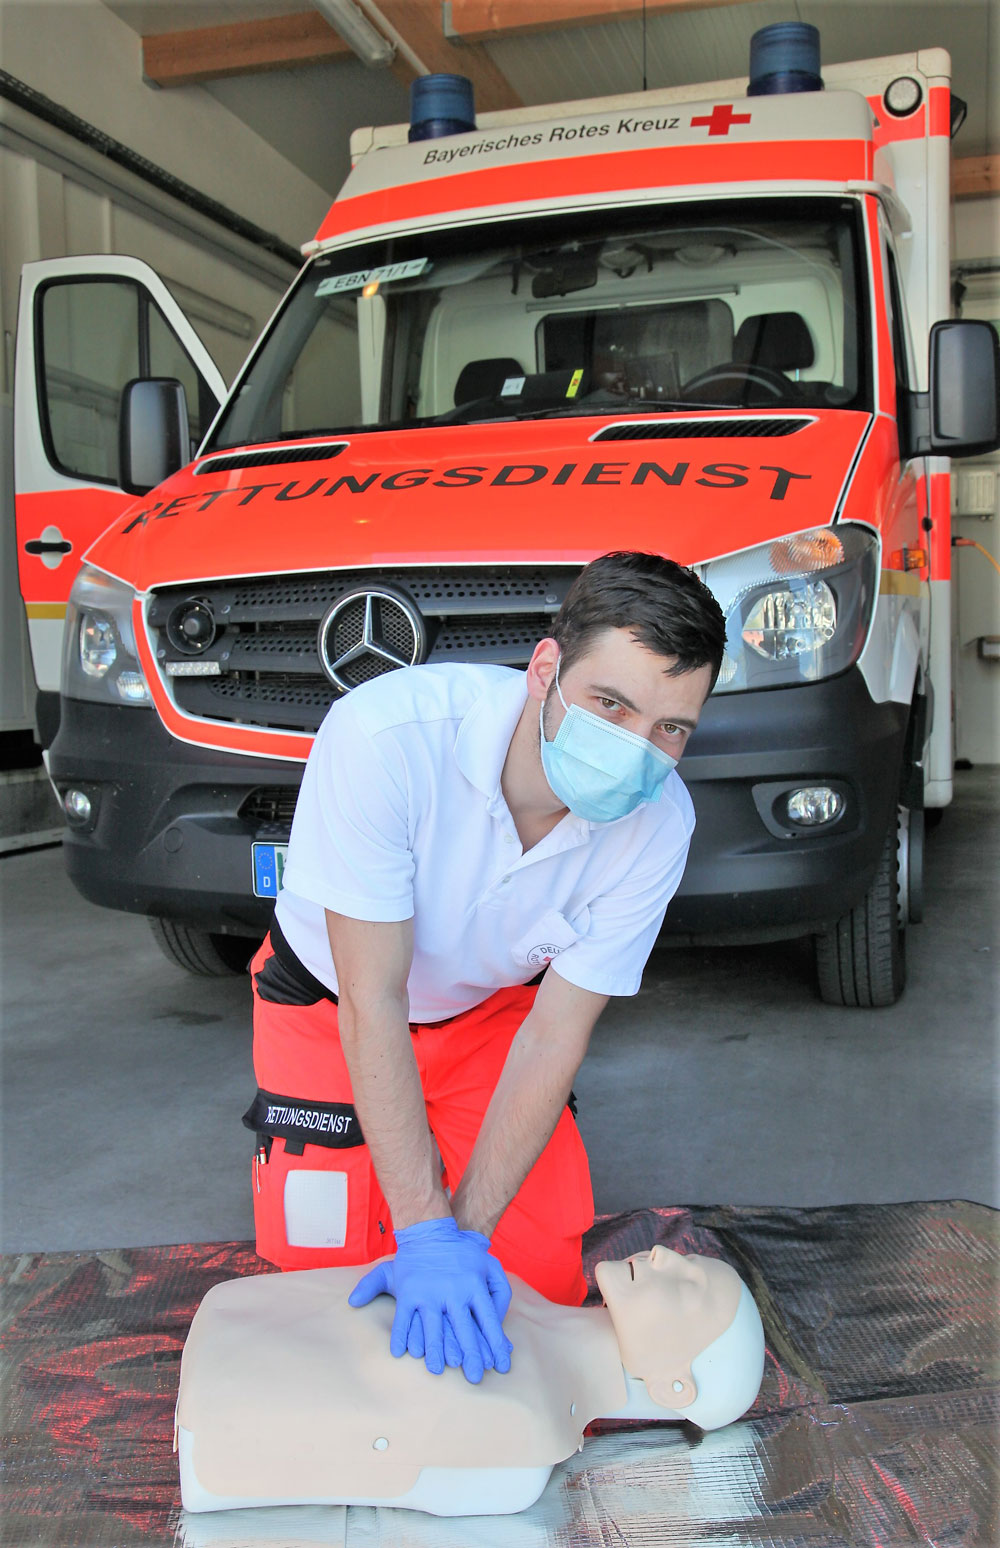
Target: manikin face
667,1308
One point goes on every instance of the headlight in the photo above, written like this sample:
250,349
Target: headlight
797,609
99,656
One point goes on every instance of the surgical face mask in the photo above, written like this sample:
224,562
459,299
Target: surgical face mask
597,769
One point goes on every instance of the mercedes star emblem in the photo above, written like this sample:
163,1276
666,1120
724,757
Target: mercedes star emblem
369,631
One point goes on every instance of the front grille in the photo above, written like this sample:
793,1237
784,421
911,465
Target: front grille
694,429
267,639
271,807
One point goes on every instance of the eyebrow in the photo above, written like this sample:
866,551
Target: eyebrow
605,692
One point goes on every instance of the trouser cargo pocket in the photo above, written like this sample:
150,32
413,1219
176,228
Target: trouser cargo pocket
313,1184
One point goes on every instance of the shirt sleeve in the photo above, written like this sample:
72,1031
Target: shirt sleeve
349,849
625,920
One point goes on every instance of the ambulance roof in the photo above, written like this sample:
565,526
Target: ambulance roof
795,142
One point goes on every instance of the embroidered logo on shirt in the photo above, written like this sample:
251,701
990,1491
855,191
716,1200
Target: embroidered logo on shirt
539,955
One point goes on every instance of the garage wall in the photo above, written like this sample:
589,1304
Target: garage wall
79,54
60,197
976,507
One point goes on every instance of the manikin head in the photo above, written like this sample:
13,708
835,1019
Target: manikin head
689,1329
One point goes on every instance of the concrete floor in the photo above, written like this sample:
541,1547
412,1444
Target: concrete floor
724,1081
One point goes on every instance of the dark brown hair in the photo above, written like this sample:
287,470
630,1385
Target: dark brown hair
662,604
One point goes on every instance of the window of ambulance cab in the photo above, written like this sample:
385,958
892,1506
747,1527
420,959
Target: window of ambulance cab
93,336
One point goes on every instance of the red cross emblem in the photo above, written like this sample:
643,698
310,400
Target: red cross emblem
720,120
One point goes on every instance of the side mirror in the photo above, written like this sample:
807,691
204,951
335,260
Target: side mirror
964,389
153,435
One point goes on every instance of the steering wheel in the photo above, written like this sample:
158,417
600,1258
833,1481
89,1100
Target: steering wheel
736,378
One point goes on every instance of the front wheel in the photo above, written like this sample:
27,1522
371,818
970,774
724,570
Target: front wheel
205,953
862,960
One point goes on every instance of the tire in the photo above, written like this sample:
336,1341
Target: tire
202,952
862,960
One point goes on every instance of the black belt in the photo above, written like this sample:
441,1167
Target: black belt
285,979
312,989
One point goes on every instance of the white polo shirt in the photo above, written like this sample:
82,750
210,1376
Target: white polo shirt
401,816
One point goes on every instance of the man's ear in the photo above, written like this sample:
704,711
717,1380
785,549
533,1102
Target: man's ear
542,668
662,1390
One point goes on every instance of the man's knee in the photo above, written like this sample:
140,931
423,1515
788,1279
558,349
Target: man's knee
540,1235
557,1274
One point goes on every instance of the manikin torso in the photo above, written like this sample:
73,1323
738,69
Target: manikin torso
290,1396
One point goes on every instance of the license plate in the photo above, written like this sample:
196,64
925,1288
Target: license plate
268,869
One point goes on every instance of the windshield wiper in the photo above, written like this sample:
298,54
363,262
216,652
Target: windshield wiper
629,408
482,416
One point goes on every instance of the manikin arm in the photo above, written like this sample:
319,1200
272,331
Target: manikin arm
530,1095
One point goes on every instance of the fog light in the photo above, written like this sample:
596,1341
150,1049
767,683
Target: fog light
814,805
77,806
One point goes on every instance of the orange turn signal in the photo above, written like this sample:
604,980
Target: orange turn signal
908,559
806,551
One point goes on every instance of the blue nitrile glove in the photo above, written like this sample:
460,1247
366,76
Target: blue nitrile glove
451,1298
452,1348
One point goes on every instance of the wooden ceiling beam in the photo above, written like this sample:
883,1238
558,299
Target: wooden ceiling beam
418,22
484,21
280,42
975,177
240,48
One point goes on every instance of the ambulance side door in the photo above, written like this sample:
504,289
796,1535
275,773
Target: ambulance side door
86,326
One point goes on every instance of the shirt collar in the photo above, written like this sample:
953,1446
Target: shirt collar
483,740
481,747
485,733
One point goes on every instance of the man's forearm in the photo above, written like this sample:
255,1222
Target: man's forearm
390,1105
526,1106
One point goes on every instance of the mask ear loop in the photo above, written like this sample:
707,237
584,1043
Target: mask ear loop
541,708
562,701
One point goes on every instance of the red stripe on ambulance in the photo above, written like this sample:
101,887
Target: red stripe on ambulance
616,171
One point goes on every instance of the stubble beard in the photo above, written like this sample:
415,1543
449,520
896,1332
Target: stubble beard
546,718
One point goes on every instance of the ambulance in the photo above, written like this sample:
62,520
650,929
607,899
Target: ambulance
710,322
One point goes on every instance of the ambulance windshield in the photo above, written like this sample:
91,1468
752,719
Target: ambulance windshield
654,309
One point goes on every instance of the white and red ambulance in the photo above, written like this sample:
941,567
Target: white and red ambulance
694,321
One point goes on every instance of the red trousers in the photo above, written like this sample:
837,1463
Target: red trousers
326,1206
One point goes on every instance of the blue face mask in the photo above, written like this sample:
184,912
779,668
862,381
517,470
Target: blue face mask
600,770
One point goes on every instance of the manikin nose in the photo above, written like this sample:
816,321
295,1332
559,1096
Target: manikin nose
683,1268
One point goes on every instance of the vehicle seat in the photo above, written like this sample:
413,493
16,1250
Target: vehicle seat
484,379
779,341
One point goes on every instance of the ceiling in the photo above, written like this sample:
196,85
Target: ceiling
307,111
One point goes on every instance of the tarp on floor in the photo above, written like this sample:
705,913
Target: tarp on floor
877,1423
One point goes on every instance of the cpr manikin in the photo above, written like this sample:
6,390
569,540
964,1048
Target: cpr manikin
290,1396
